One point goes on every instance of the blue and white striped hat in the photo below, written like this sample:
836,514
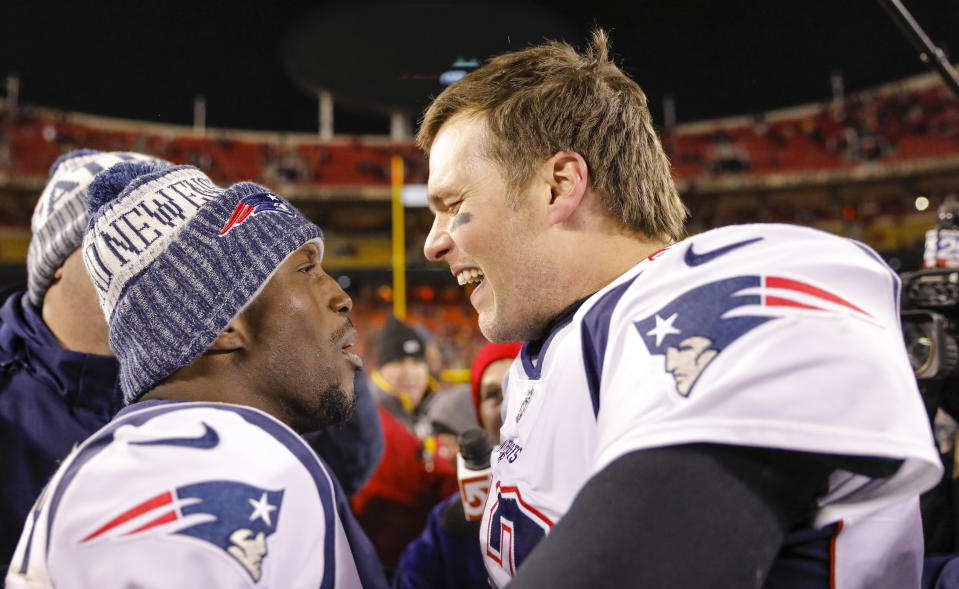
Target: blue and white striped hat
174,258
60,217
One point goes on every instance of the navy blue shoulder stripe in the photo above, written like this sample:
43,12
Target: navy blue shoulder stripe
595,332
137,416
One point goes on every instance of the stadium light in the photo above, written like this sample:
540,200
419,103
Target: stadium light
414,195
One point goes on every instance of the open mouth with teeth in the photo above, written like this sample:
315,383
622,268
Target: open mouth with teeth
471,276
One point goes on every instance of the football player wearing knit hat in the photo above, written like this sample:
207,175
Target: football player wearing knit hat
231,340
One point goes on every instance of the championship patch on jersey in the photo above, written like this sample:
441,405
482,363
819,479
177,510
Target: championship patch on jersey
696,326
263,202
233,516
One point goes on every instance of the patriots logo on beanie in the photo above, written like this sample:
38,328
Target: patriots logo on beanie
264,202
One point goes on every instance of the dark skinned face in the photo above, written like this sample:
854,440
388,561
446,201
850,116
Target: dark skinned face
302,339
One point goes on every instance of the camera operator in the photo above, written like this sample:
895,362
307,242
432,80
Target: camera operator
930,302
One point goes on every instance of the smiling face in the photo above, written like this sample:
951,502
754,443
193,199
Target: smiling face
487,241
301,343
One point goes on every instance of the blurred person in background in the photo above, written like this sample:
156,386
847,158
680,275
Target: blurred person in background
447,555
433,354
450,414
450,407
58,377
401,384
732,409
486,383
393,506
202,479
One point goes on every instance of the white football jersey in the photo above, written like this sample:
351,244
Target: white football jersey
769,336
202,495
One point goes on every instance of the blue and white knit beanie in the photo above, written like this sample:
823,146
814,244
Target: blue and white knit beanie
174,258
60,217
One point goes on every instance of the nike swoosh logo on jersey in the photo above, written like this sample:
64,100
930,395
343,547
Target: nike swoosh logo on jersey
208,440
694,259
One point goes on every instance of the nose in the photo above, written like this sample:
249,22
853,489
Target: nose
672,359
438,242
340,302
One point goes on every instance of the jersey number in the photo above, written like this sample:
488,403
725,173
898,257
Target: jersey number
514,529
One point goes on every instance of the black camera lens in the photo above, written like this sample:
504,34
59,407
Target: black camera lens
919,345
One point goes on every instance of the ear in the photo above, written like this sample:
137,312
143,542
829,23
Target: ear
232,338
58,275
567,175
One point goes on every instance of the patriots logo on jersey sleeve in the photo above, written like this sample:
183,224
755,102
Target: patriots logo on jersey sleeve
262,202
696,326
233,516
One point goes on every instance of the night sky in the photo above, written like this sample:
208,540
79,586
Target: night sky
134,60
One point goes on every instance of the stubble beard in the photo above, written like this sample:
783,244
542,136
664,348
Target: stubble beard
315,398
519,315
501,330
334,405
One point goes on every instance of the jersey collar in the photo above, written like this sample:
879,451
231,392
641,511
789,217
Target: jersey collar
534,351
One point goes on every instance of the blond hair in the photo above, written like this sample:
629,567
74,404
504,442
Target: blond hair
549,98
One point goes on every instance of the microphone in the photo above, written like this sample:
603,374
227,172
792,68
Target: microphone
473,471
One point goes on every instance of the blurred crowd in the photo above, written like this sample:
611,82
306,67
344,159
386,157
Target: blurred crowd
30,138
904,121
891,124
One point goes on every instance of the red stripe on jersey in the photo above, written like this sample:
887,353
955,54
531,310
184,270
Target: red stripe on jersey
656,253
779,302
832,556
148,505
526,505
779,282
169,516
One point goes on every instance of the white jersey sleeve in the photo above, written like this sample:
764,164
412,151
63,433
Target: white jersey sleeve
187,495
769,335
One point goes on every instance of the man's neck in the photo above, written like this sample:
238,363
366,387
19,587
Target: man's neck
594,260
213,378
77,329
